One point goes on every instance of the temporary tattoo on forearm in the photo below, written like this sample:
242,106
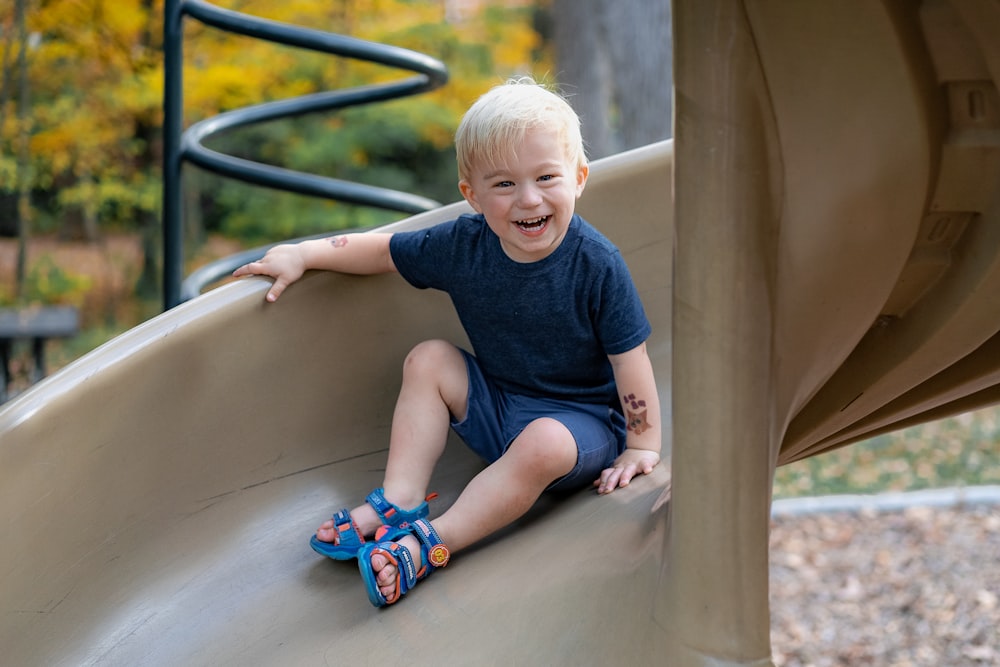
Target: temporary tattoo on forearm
338,241
635,414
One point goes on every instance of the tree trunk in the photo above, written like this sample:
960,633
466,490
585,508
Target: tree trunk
147,286
614,60
584,70
22,212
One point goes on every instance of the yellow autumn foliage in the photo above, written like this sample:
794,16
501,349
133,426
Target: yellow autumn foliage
95,78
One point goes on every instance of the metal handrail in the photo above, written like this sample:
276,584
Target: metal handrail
180,146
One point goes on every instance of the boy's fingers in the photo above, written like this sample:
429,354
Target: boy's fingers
249,269
621,476
604,482
277,289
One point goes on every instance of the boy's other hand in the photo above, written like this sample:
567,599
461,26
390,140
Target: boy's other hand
632,462
284,263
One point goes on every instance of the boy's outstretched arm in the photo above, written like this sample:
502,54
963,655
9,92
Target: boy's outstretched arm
641,405
362,254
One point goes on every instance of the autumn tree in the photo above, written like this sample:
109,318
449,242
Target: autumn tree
94,76
17,173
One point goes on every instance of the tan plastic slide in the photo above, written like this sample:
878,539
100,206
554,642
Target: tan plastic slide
819,254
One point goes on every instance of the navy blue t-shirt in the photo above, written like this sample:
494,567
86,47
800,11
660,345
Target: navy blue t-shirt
543,328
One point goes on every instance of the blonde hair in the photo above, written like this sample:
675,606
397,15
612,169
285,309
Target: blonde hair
498,121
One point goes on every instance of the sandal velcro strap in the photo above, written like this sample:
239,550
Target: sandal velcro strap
438,554
346,529
348,540
393,515
405,566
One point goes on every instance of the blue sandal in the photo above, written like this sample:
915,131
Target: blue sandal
349,538
433,552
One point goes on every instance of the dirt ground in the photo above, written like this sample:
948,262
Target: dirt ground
917,587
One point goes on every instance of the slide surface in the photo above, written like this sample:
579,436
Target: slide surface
159,494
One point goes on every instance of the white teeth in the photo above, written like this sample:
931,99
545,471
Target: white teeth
532,223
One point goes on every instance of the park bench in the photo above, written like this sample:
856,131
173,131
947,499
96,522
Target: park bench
36,324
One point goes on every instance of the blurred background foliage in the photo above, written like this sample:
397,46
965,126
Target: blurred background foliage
81,85
82,96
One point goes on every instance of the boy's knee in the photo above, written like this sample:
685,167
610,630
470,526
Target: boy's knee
548,444
432,355
438,366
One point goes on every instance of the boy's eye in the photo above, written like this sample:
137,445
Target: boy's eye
504,184
547,177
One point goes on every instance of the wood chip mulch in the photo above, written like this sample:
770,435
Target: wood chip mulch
905,588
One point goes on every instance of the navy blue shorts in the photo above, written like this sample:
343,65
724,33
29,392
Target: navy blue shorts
494,418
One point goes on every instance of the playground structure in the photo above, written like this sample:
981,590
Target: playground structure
827,268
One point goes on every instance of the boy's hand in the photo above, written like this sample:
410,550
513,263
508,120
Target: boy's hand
632,462
284,263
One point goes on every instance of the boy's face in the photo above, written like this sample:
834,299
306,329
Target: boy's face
528,199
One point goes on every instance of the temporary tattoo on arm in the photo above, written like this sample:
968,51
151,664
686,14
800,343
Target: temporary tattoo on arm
338,241
635,414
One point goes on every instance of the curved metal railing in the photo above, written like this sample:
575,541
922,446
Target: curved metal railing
189,145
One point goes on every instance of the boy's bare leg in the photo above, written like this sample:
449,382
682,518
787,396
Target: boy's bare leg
435,386
501,493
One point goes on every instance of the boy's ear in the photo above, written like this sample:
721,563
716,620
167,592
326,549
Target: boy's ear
581,178
470,195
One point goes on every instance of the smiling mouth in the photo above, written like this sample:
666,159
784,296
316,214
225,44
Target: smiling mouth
534,224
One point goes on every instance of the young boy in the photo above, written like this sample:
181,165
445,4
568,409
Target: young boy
559,393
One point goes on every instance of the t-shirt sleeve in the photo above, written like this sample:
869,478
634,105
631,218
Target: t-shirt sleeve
424,257
621,320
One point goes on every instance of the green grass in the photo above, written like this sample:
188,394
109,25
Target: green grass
959,451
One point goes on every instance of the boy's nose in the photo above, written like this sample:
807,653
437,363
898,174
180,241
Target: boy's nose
529,196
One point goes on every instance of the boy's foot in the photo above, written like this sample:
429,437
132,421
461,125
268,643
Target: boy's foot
397,559
342,536
364,518
386,571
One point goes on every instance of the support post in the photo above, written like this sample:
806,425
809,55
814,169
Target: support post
714,589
